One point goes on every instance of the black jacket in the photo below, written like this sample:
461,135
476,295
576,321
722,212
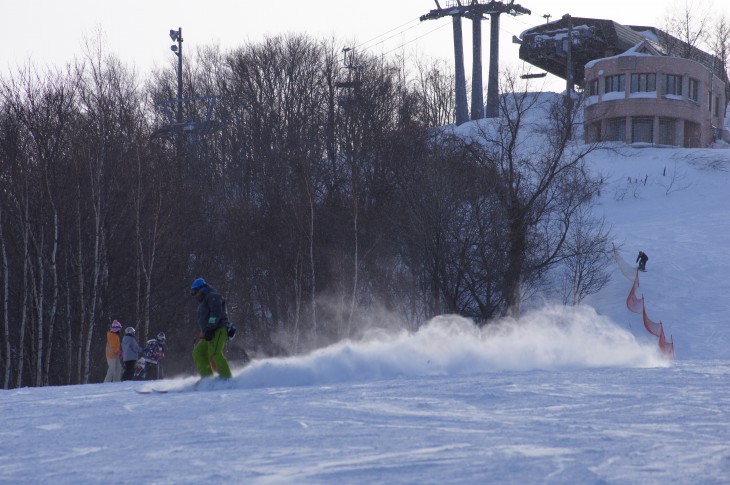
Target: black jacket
211,310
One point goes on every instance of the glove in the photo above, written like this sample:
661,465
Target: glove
209,334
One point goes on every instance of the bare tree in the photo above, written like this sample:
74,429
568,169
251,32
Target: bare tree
5,303
540,181
585,267
43,106
434,85
108,127
9,147
721,46
690,22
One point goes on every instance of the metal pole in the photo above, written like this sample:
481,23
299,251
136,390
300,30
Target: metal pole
462,115
569,80
477,86
179,75
493,84
570,83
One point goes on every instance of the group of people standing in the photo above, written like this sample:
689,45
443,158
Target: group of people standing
214,330
123,356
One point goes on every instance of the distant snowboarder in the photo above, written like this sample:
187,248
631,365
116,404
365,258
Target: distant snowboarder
642,258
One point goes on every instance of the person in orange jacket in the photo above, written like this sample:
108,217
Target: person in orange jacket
113,353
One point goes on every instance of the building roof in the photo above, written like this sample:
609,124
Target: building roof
545,46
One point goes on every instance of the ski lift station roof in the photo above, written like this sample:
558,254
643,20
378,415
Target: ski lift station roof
545,46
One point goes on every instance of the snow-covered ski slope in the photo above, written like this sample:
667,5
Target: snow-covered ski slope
564,396
674,204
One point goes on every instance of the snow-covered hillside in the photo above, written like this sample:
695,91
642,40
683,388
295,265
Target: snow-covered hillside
674,204
565,396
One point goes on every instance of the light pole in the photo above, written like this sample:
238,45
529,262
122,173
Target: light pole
569,77
570,84
176,36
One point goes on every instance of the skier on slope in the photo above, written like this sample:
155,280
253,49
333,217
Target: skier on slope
642,258
213,331
152,355
155,353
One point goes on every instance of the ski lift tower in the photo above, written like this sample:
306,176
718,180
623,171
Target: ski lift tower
455,12
176,36
494,10
200,110
476,11
354,78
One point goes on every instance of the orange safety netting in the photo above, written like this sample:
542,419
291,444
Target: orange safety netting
634,303
626,268
667,348
654,328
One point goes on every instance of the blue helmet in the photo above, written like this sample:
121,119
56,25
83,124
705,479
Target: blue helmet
197,284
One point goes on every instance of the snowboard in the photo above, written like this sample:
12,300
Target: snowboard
206,384
151,391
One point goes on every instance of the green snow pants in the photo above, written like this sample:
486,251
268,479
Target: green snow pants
207,352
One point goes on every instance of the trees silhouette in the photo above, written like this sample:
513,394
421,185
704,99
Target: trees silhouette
315,211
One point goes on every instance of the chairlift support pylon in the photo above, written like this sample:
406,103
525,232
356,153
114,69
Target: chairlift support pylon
474,10
191,128
354,74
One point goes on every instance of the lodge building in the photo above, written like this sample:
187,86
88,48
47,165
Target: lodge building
638,88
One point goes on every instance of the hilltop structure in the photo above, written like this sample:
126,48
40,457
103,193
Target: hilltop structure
641,84
476,11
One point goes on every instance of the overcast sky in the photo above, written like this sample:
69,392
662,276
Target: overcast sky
51,32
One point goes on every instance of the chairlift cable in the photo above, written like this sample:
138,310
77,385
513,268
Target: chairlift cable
519,20
390,37
415,39
386,33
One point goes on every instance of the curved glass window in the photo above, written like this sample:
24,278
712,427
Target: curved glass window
673,84
614,83
643,82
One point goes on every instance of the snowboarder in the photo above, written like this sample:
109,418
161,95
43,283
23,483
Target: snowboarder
113,353
213,331
642,258
130,350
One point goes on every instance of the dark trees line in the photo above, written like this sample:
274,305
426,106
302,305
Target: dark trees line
318,212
